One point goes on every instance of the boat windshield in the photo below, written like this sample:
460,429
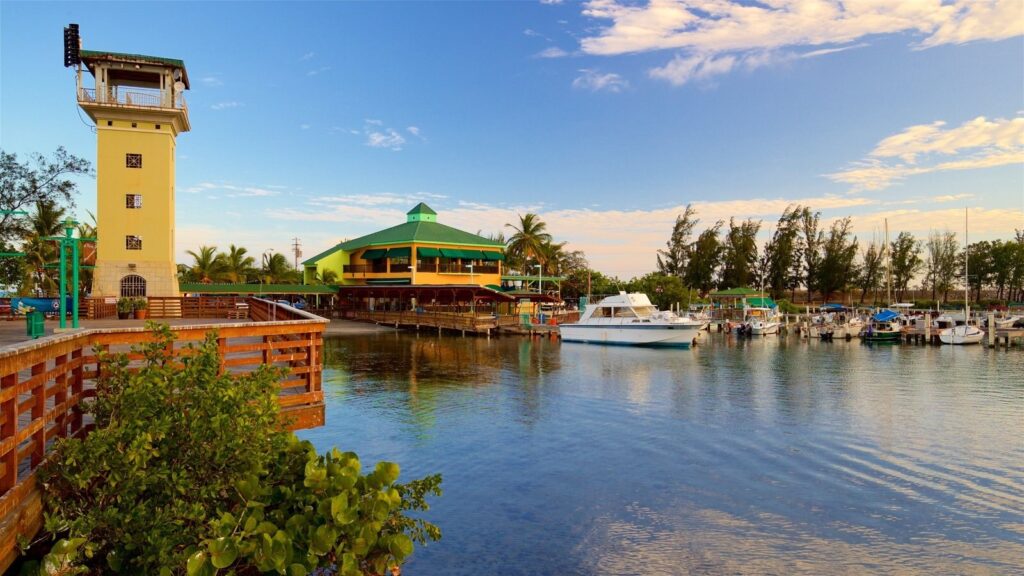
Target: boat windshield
645,311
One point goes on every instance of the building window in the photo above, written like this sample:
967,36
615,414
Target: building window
110,122
426,264
157,126
400,264
133,201
133,160
132,243
133,285
135,124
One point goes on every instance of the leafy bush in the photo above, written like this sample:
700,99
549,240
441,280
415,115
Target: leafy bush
188,472
140,303
125,304
787,307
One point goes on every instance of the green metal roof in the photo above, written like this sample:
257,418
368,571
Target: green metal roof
759,302
255,289
87,55
736,292
312,261
419,232
421,208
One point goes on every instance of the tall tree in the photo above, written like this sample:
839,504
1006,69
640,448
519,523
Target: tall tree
905,262
704,260
838,257
871,270
781,254
237,266
941,263
981,258
39,179
810,248
672,261
207,265
740,255
279,270
528,240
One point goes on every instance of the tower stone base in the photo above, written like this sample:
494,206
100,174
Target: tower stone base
161,277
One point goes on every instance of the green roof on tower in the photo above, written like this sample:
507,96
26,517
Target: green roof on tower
422,208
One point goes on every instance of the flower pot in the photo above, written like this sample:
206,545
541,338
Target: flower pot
123,315
140,314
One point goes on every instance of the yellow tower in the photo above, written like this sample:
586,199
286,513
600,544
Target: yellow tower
138,105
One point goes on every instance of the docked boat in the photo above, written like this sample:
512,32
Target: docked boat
884,326
965,333
835,321
762,321
631,319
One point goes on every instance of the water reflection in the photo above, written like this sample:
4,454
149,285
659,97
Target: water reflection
739,456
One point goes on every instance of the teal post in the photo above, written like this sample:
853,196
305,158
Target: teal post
63,284
74,285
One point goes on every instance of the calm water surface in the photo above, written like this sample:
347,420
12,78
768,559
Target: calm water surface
770,456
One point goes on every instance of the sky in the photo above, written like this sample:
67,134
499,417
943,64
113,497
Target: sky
326,121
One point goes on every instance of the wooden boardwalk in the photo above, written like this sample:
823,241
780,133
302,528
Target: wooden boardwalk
42,383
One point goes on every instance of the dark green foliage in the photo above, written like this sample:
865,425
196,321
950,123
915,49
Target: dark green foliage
905,253
810,247
870,274
674,259
836,268
40,179
664,290
188,472
781,259
740,256
705,257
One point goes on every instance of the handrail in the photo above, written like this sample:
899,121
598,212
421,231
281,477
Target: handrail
42,383
146,98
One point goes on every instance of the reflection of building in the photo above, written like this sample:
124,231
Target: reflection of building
139,109
421,251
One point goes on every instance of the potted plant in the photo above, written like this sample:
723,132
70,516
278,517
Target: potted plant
124,308
139,305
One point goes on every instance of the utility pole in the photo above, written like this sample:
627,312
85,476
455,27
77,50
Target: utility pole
297,250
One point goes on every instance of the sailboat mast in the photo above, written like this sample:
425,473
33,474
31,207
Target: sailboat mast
888,266
967,283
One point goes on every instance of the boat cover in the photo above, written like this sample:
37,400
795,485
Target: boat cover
886,316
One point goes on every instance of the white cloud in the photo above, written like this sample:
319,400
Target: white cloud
212,80
304,126
925,148
415,131
711,28
596,81
319,70
681,70
551,2
530,32
388,138
552,52
225,105
951,197
307,56
232,190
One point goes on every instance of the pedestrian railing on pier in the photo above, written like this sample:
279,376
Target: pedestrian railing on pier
43,383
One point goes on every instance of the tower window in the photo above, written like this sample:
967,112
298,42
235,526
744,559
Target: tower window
157,126
133,201
133,160
133,285
110,122
132,243
135,124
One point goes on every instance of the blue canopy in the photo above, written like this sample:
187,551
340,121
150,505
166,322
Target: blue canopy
832,306
886,316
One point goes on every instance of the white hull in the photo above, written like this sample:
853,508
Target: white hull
962,335
1003,323
764,328
678,335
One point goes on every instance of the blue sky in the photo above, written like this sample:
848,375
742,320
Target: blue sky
329,120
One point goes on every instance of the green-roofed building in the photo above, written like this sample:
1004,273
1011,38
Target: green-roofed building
421,251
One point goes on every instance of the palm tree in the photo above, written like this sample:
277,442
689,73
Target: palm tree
528,240
48,220
279,271
553,257
237,266
208,266
326,277
85,274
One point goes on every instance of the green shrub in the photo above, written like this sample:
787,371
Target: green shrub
787,307
140,303
125,304
188,472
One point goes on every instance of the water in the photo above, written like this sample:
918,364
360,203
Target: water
770,456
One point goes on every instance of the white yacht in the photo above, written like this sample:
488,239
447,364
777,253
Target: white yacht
759,321
631,319
964,333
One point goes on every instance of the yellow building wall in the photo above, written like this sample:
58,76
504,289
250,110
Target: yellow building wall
153,223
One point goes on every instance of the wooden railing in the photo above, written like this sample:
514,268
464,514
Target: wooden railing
43,383
145,97
435,319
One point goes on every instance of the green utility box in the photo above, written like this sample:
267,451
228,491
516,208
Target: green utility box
34,324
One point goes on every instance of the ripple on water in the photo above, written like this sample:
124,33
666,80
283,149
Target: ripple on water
737,457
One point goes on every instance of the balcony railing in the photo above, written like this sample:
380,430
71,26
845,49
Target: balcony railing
146,98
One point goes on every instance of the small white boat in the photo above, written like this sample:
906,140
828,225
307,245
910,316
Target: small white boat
962,334
1004,323
762,321
631,319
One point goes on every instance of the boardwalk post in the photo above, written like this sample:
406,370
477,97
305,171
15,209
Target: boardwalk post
991,329
927,330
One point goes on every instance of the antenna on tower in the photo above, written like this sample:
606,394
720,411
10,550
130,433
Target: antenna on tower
297,250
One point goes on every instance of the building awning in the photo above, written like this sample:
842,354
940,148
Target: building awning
375,253
387,281
451,253
494,256
472,255
428,252
758,302
403,252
